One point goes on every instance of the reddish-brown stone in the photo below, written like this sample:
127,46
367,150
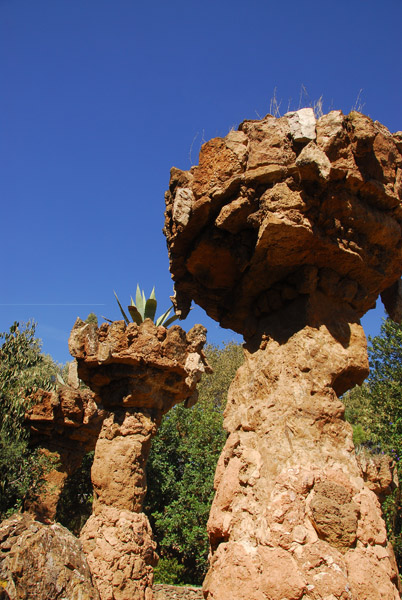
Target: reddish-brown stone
137,373
298,237
65,424
332,202
42,562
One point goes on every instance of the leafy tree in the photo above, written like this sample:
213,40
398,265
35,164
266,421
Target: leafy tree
375,412
23,369
181,470
385,387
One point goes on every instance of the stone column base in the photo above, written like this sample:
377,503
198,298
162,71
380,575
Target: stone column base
120,553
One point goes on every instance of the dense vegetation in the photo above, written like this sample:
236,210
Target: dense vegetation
375,412
23,369
181,471
184,454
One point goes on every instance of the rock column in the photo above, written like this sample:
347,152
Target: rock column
287,231
117,538
137,374
292,517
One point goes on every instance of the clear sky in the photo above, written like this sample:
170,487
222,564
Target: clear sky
100,98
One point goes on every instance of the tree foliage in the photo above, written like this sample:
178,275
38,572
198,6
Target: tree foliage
181,470
23,369
375,412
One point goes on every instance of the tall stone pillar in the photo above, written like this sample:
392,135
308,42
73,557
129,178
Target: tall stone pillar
137,374
117,538
292,517
286,232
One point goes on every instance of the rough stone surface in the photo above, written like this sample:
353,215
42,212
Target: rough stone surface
118,470
379,473
173,592
290,236
139,366
290,496
65,424
266,205
137,373
42,562
302,124
121,552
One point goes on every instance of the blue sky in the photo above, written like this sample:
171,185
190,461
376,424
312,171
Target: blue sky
100,98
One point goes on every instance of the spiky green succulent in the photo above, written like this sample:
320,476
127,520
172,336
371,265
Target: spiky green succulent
144,308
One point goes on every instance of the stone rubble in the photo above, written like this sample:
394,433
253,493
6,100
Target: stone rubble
174,592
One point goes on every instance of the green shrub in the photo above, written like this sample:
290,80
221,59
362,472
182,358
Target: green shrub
359,435
375,412
169,571
181,469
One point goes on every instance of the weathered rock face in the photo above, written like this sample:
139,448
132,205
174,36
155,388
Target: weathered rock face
65,424
287,231
42,562
292,517
121,553
283,207
163,591
139,366
379,473
137,373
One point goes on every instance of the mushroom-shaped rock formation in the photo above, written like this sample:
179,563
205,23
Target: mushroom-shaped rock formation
137,374
287,231
278,210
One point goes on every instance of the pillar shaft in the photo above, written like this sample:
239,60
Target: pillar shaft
121,453
292,517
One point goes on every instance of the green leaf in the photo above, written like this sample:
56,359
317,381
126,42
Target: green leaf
135,315
160,320
150,309
125,317
170,321
140,301
106,319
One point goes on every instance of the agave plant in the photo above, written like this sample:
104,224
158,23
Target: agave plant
144,308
